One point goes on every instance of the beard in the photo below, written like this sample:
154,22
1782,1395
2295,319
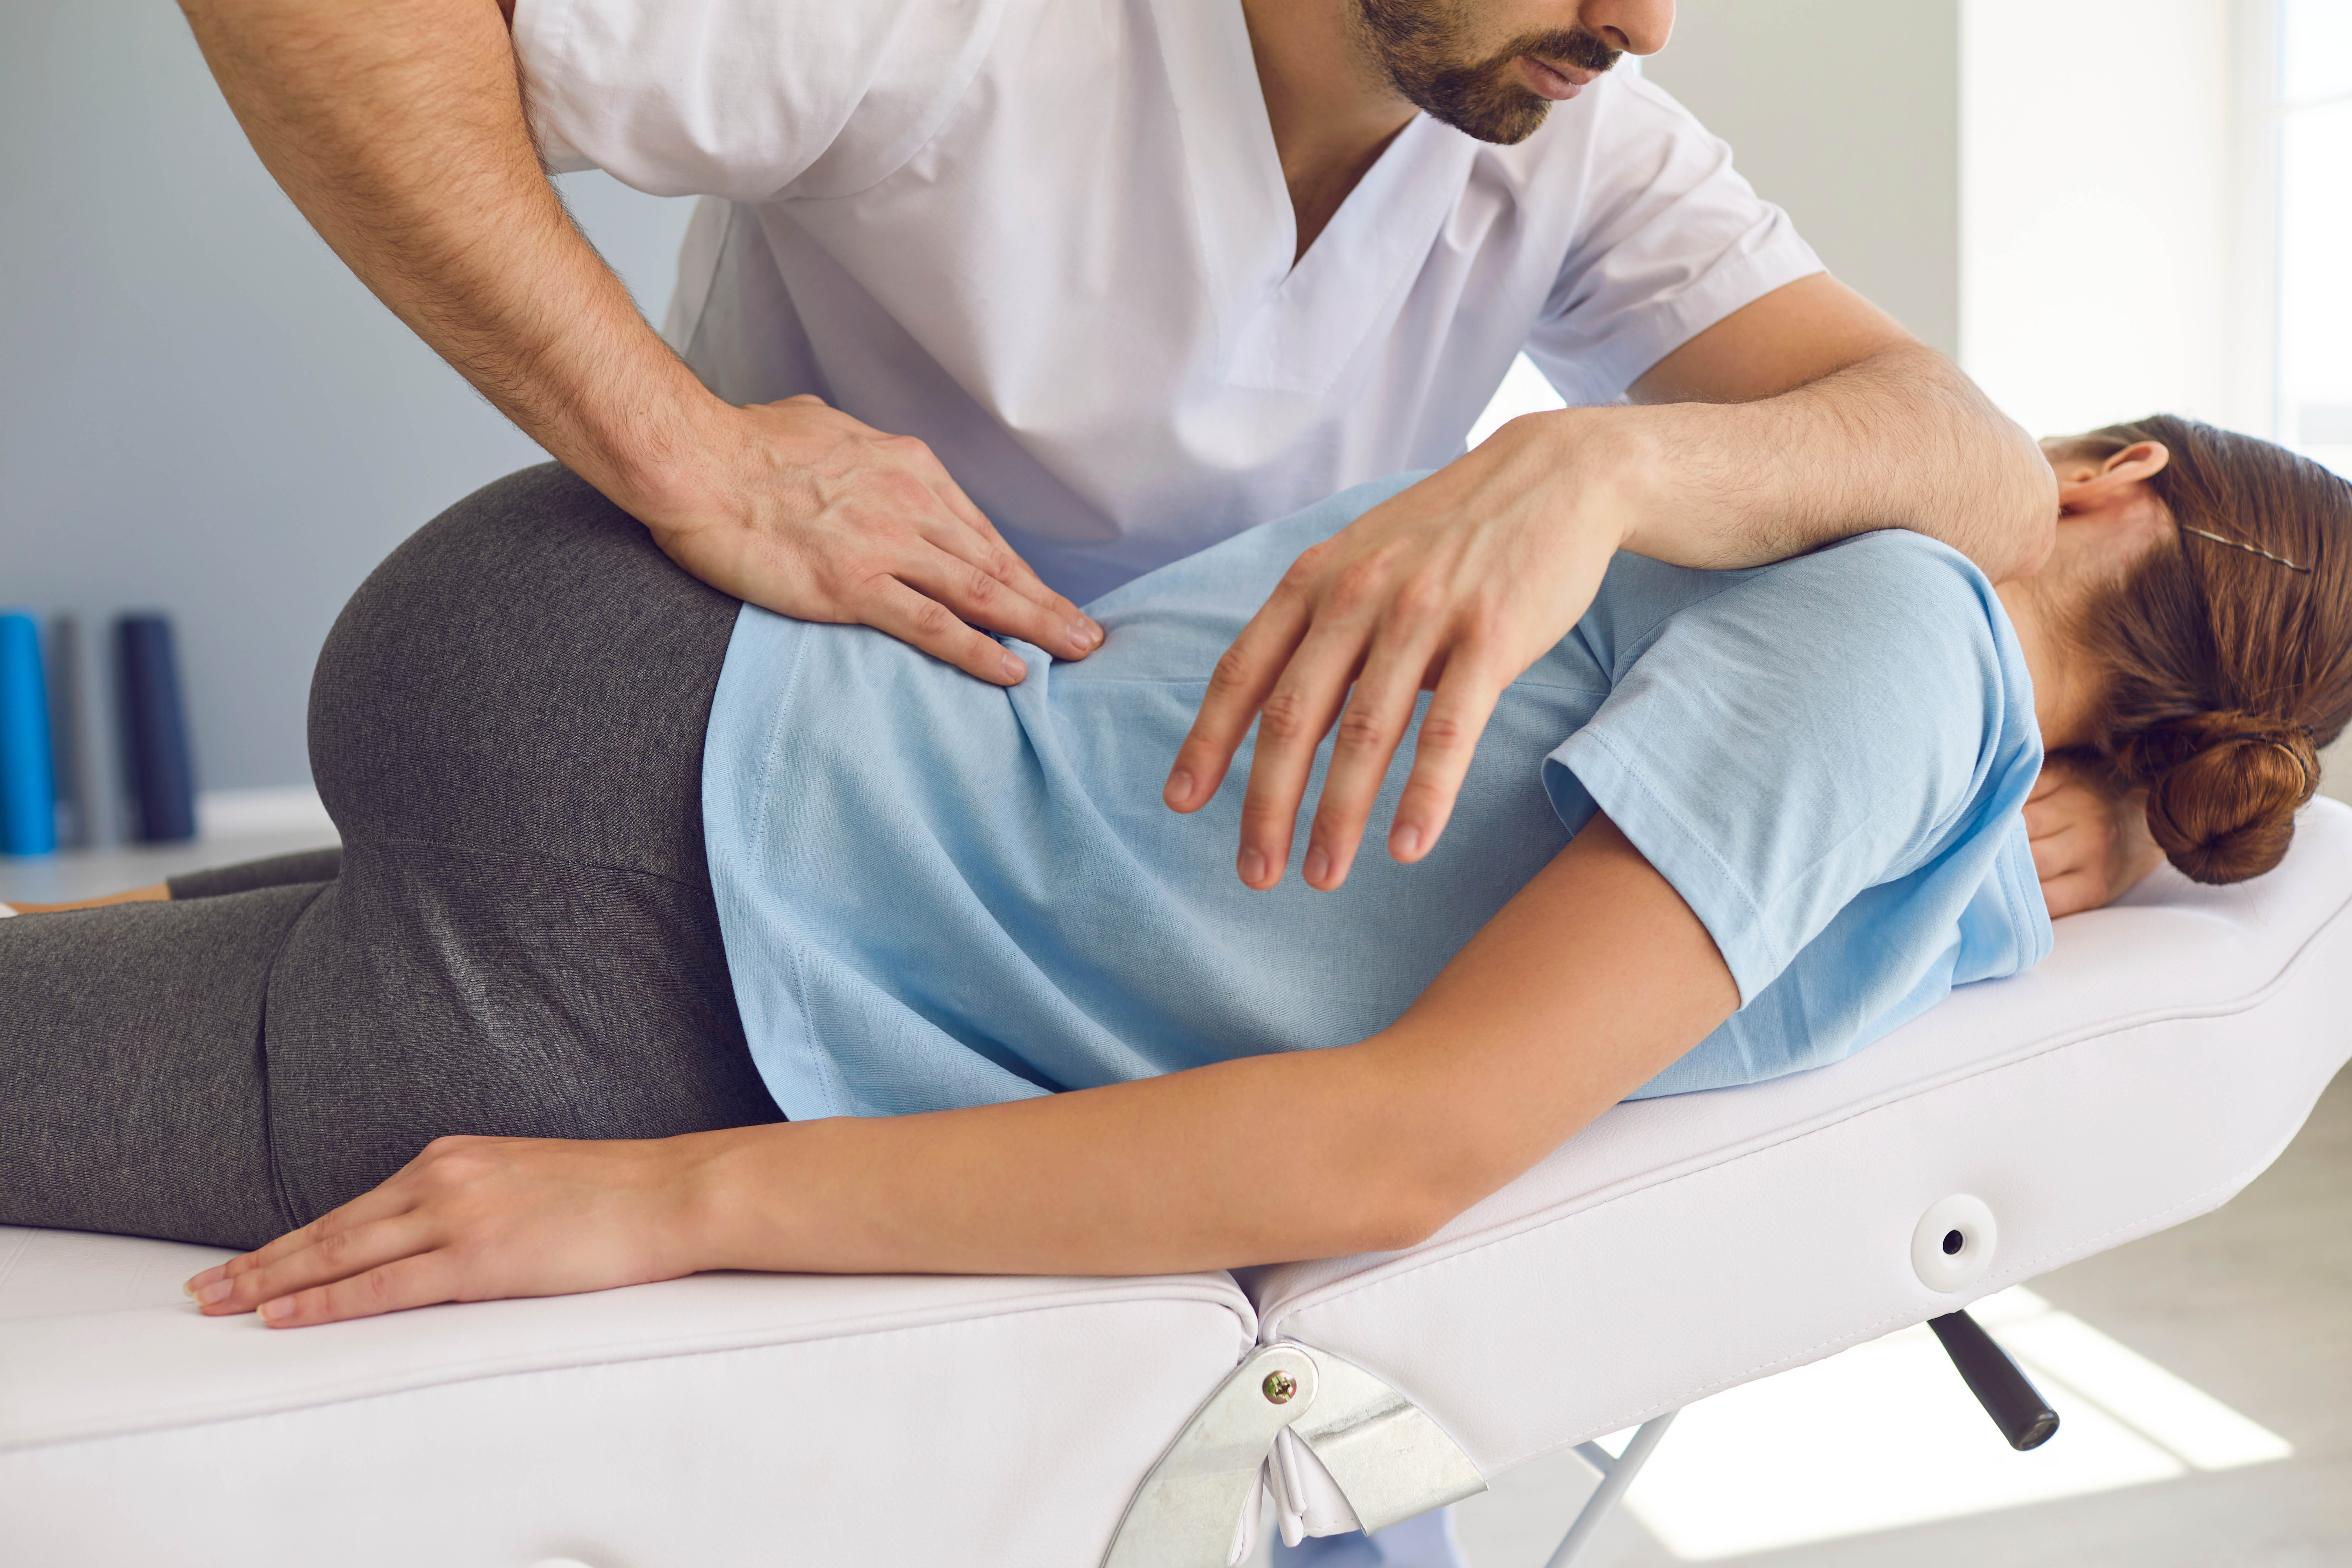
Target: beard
1424,46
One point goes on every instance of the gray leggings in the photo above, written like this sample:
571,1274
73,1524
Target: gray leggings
507,726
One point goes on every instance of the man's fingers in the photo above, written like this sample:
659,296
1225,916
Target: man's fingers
893,607
418,1279
1371,727
1243,680
1291,724
978,543
1449,735
990,586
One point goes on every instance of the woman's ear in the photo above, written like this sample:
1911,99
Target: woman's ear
2136,463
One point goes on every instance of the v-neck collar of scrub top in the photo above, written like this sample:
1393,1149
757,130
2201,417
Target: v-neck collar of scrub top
1283,327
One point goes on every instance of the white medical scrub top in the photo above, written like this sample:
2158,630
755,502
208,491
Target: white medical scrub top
1051,239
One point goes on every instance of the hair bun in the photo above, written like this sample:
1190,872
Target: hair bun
2222,792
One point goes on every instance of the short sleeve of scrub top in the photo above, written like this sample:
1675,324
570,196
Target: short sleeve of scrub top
742,98
1675,243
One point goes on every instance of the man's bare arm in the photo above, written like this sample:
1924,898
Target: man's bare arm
1809,416
1803,417
399,129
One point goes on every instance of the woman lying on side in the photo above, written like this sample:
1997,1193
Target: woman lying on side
628,870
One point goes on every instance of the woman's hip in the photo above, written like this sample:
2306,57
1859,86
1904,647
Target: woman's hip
527,674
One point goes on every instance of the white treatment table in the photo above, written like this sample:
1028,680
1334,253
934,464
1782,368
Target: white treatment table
2155,1065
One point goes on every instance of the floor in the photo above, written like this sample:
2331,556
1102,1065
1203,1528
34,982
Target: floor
2251,1304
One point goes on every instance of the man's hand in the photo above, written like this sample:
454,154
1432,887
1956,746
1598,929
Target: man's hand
473,1219
1456,584
804,510
2089,846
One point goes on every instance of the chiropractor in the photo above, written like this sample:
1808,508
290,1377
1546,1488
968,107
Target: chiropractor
990,304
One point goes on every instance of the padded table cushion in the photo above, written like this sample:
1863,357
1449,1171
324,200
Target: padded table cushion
2154,1064
708,1421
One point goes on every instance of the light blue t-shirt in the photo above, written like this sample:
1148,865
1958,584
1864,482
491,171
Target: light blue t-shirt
936,892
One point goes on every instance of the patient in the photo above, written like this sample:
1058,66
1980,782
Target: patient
631,874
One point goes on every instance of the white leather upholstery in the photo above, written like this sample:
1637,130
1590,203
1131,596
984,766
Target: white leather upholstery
715,1420
2157,1062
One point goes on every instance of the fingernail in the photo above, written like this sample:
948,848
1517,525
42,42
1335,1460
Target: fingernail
1084,635
1404,841
1180,788
1093,628
1253,865
278,1311
1015,670
1318,866
217,1291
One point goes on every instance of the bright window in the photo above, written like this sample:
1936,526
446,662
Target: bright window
2314,276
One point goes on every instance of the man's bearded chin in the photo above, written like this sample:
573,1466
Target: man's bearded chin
1424,46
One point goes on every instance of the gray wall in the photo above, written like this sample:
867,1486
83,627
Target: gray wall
1847,112
201,409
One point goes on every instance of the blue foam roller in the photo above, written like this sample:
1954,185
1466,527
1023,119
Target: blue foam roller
29,801
154,731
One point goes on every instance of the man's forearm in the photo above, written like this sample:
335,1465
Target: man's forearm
1900,438
398,129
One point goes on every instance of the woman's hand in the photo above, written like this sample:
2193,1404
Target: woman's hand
802,509
2089,846
471,1219
1456,584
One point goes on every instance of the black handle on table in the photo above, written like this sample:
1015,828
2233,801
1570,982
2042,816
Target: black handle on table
2020,1412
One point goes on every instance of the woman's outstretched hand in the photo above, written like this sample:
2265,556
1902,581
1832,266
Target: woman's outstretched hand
1456,584
471,1219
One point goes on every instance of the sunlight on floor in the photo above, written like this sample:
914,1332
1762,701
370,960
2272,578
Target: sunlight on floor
1887,1435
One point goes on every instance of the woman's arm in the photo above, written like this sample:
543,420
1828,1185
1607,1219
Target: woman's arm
1592,979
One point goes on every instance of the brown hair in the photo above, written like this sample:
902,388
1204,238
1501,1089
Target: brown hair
2230,657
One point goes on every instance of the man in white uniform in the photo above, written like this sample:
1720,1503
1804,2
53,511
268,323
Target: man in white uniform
1085,285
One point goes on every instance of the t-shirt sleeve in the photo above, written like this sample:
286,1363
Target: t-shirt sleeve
1673,239
749,99
1838,723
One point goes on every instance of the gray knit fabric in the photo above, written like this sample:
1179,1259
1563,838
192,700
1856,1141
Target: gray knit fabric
506,726
277,871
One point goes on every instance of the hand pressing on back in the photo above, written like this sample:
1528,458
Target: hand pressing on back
2090,845
805,511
